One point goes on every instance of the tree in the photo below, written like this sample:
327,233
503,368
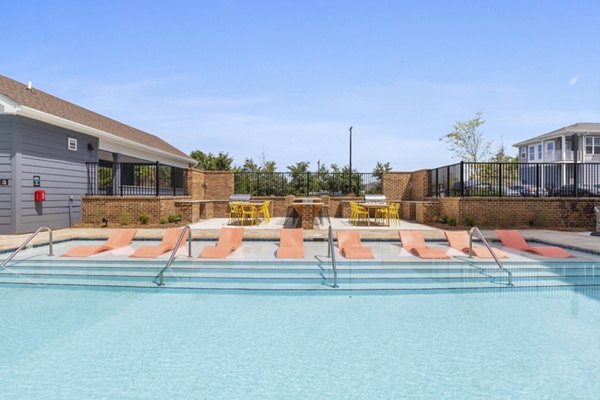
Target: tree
211,162
467,142
378,171
501,156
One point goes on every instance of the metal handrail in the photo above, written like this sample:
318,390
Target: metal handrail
158,279
26,242
331,253
485,242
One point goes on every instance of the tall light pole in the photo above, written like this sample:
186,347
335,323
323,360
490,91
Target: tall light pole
350,172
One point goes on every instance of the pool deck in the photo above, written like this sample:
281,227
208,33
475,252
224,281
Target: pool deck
209,230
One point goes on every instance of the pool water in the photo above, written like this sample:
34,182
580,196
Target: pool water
106,344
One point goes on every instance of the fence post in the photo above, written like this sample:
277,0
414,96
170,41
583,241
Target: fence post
462,179
575,178
499,179
307,183
537,180
448,181
157,179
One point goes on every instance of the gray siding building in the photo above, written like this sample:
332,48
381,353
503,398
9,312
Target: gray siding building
46,144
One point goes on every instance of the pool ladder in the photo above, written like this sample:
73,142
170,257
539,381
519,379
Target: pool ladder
26,242
475,230
159,278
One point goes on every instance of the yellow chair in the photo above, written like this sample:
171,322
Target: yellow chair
235,212
394,213
265,211
358,213
249,212
391,212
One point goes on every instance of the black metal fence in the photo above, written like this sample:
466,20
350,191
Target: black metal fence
134,179
306,183
516,179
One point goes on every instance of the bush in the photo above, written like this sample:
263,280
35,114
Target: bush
125,218
470,221
452,221
443,219
144,218
174,217
98,216
164,220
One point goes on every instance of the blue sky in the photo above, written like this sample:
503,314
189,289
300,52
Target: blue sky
285,79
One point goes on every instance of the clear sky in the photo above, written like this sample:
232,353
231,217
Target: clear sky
286,79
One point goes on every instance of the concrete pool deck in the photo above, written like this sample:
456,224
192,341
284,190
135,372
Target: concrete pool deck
209,230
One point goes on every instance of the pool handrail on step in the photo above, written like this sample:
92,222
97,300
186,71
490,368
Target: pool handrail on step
29,239
485,242
330,251
158,279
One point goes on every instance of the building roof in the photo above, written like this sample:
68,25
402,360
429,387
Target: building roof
579,127
44,102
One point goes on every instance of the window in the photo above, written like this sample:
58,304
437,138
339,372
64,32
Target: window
592,145
531,153
72,144
550,147
539,151
523,151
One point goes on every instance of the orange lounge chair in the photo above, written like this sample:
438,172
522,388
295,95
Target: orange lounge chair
291,243
230,239
414,242
514,240
459,240
168,243
117,239
351,247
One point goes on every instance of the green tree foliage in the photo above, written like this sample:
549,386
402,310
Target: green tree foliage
259,180
467,142
378,171
210,162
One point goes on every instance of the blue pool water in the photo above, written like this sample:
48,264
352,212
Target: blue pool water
107,344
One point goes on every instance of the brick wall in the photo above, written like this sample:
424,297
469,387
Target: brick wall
509,212
115,208
420,184
194,184
396,185
218,185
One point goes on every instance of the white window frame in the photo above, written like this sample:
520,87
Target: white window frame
72,144
524,152
531,155
540,151
550,147
594,143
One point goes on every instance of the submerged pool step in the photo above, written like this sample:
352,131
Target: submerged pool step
296,276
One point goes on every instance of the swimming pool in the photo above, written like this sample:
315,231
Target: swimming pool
102,343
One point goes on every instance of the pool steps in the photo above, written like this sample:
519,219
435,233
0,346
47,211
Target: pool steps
297,276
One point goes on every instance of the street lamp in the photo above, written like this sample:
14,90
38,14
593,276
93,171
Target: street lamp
350,172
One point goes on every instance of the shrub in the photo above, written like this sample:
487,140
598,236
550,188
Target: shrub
164,220
98,216
174,217
470,221
125,218
144,218
443,219
452,221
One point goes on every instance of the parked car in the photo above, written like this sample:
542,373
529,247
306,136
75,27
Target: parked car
472,188
582,191
531,190
505,191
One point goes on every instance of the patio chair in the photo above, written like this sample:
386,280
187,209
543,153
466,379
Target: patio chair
264,210
235,212
351,247
291,243
118,239
168,243
414,242
249,212
459,240
230,239
514,240
357,213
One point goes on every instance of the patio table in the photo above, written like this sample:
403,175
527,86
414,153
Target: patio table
376,206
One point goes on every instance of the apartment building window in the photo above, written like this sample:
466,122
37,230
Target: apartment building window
531,153
539,151
592,145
